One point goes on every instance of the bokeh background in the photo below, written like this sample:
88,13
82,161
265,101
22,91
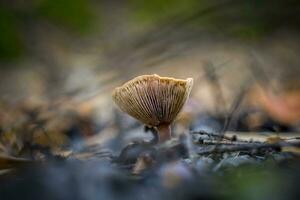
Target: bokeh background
61,134
61,59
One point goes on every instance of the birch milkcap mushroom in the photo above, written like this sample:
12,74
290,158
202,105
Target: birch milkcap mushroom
154,100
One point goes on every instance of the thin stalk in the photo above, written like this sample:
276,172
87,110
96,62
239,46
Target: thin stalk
164,132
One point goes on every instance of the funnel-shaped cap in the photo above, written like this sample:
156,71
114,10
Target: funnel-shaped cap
152,99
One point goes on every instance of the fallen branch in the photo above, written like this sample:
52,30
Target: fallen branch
248,147
214,142
233,138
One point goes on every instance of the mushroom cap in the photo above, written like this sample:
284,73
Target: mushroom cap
152,99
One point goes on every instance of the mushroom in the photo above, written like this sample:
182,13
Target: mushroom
154,100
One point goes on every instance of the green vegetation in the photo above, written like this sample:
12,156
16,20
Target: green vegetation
246,19
11,45
76,14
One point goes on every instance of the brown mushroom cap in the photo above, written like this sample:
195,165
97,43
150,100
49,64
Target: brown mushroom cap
152,99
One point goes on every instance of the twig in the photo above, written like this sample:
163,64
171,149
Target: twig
232,138
214,82
293,138
249,147
215,142
235,105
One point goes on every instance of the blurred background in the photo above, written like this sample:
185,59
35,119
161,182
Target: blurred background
61,59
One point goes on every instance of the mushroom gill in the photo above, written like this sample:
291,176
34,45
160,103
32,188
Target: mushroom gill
154,100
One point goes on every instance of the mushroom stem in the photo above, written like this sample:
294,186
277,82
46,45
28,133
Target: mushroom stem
164,132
